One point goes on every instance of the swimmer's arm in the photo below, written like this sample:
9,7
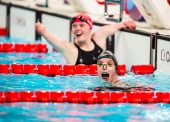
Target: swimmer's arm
110,88
139,86
59,44
110,29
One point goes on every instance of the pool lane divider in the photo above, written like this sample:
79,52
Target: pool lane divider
3,31
49,70
27,48
85,97
81,69
142,69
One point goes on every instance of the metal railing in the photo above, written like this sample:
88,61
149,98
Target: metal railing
111,17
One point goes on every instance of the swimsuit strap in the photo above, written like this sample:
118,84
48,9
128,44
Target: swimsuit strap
88,57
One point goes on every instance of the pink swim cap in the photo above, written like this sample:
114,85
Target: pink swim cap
82,18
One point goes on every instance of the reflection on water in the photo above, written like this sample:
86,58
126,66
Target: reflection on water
81,112
32,58
33,82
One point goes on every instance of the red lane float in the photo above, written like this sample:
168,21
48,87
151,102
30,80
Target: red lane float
93,69
118,97
12,96
56,70
133,97
5,68
43,69
30,48
72,96
42,96
85,97
1,49
17,68
142,69
29,68
81,69
20,48
163,97
66,70
53,70
27,96
2,97
3,31
7,47
103,97
57,96
121,69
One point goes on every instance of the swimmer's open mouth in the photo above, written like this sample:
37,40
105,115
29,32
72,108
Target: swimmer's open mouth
79,34
105,75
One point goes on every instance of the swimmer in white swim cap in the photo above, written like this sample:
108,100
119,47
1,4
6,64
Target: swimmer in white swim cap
107,66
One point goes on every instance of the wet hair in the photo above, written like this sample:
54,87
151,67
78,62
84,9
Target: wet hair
110,55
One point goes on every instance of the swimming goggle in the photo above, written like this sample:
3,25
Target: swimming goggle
80,18
104,66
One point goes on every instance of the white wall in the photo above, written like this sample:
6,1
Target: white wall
22,23
56,25
3,16
132,48
163,55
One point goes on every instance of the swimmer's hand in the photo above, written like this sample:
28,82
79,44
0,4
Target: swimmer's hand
39,28
130,24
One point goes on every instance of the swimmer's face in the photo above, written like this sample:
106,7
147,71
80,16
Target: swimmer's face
106,69
81,30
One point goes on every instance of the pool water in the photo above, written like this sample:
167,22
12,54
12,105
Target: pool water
32,58
34,82
45,112
67,112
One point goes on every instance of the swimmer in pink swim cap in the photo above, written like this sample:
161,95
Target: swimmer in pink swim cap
82,18
87,44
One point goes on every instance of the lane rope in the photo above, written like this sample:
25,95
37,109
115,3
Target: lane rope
56,69
28,48
85,97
